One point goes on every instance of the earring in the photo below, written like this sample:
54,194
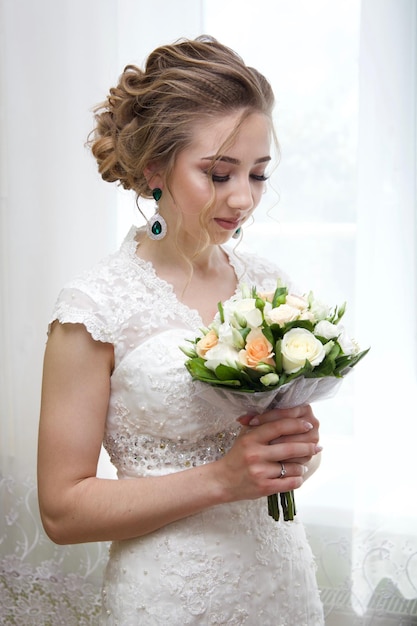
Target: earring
156,226
237,233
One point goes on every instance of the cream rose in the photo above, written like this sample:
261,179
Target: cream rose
298,346
282,314
206,343
297,301
258,349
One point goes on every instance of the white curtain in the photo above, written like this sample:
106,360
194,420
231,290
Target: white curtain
340,217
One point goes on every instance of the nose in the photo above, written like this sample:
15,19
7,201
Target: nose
241,196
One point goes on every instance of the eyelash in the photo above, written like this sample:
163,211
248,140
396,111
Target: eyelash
261,178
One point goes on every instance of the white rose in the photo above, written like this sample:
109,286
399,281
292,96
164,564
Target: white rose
282,314
327,330
221,354
298,346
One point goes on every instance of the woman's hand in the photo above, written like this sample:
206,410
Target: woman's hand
252,467
303,412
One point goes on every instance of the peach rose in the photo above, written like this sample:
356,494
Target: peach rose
258,350
206,343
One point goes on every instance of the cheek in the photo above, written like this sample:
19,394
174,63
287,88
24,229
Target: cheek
257,194
195,196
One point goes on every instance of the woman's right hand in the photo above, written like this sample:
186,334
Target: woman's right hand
252,467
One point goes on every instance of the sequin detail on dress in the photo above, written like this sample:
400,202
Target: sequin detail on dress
144,454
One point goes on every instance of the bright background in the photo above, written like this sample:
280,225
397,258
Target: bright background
339,216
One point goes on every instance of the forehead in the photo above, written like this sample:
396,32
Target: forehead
253,135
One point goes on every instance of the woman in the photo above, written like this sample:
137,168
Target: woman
192,540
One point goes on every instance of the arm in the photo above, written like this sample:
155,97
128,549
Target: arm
76,506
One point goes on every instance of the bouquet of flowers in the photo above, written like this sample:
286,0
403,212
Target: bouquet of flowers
270,350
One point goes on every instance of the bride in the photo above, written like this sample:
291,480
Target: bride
192,542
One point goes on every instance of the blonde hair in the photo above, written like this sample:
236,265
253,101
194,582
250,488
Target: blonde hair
150,115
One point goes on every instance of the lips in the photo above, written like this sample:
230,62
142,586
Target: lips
227,224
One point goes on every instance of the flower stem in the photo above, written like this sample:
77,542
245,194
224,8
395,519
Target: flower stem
287,504
273,508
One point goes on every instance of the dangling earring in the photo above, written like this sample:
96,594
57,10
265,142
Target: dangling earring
156,227
237,233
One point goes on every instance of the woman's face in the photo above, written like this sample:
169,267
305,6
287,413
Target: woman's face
238,177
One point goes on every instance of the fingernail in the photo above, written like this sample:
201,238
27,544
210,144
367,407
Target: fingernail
305,469
318,449
254,421
308,425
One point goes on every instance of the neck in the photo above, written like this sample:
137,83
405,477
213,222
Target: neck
180,255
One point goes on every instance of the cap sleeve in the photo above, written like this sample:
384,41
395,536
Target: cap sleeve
74,306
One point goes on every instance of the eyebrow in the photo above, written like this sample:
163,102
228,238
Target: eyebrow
227,159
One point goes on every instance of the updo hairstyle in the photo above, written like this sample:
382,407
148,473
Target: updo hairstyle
149,116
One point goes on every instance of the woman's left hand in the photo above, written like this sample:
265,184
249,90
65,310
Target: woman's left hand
303,412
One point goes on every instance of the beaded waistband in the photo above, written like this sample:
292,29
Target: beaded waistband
143,453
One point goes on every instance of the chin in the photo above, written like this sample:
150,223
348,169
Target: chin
221,238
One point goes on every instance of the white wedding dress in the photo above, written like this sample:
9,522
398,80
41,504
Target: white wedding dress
231,564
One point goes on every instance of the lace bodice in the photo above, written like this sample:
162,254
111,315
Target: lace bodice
231,564
154,407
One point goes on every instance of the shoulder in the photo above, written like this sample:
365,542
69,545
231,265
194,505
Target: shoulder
101,297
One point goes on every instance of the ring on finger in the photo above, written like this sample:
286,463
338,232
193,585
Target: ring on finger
283,470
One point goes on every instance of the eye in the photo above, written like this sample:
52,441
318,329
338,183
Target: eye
217,178
259,177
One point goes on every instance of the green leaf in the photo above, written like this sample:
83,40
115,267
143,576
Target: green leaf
252,374
280,296
245,332
298,324
221,311
326,368
334,352
278,356
266,331
225,383
225,372
306,370
347,360
198,369
276,330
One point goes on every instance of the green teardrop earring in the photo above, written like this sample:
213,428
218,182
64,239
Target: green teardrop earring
157,226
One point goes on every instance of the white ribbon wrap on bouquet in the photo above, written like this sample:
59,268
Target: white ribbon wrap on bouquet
295,393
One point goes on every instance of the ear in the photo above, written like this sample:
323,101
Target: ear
153,175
